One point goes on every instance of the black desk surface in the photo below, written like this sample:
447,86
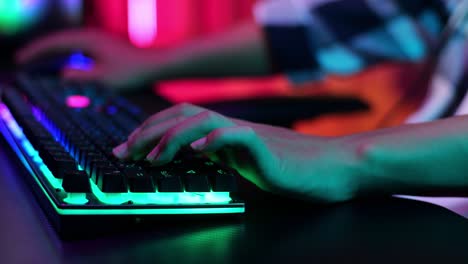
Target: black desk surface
273,230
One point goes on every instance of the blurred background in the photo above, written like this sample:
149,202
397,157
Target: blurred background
145,23
323,107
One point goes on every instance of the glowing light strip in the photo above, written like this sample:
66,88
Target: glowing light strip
5,115
157,198
142,22
26,145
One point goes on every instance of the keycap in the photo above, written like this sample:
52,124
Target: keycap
97,167
166,180
194,181
58,165
139,180
112,181
76,182
223,181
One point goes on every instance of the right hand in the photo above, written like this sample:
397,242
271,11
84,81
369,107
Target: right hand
273,158
117,63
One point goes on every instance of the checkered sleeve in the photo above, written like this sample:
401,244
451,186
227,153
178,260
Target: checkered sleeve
308,39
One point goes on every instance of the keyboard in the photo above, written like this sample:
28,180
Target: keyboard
63,135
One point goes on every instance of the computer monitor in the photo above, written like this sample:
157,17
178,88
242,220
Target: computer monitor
23,20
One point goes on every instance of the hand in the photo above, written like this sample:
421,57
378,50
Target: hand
275,159
118,63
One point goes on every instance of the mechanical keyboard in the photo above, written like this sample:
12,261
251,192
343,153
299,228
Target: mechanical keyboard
63,135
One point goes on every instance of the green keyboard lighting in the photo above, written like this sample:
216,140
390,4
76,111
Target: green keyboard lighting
154,198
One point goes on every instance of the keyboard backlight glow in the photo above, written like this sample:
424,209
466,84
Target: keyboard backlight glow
78,61
78,101
161,198
110,198
76,198
26,145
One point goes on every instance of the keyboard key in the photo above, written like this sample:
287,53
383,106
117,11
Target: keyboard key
76,182
58,165
97,167
112,181
223,181
167,181
195,182
140,182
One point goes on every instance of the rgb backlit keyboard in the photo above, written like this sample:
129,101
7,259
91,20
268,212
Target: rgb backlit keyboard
63,135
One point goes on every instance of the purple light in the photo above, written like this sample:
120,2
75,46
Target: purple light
457,205
78,61
111,110
72,9
78,101
10,121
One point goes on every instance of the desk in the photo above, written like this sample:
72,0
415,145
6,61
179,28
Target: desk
377,231
388,230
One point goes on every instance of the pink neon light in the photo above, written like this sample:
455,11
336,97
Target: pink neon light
216,90
113,16
218,15
178,21
78,101
142,22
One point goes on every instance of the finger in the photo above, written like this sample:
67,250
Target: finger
184,109
239,136
185,133
140,144
253,149
59,42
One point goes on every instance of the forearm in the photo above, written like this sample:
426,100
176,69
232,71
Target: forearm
423,159
239,52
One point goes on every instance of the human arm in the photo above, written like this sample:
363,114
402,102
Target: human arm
240,51
419,159
413,159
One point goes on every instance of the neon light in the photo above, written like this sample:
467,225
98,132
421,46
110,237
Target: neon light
218,15
17,15
55,182
29,148
142,22
26,145
78,101
76,198
215,90
161,198
158,211
79,61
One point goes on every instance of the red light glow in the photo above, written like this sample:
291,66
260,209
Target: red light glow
213,90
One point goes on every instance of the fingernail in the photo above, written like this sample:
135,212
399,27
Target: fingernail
199,144
120,151
153,155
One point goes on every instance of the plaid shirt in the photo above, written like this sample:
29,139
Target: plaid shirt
308,39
